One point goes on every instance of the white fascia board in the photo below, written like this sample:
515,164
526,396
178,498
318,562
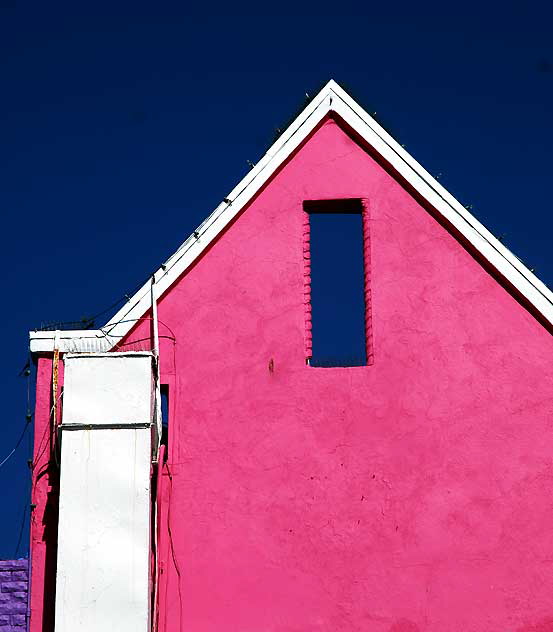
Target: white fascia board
502,259
118,354
110,334
223,214
332,98
393,147
77,341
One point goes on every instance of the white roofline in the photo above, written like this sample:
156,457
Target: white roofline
331,99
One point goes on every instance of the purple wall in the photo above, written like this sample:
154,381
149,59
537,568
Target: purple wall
14,585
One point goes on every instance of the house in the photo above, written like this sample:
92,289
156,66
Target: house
213,478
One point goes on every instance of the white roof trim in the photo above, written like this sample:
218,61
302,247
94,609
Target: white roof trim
331,98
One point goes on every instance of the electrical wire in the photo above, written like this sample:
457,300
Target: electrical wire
14,449
135,320
172,545
191,240
21,529
25,372
127,296
44,445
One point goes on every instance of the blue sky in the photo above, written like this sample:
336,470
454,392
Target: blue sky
123,126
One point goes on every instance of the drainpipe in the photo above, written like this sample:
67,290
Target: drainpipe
157,376
158,453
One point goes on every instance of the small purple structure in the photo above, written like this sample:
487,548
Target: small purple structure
14,588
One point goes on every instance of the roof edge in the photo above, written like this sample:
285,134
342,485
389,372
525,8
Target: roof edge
331,99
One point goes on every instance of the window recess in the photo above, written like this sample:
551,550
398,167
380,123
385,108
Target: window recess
336,284
164,392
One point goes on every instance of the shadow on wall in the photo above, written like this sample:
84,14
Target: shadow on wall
403,625
50,541
546,625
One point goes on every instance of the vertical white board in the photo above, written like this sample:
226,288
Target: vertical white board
104,511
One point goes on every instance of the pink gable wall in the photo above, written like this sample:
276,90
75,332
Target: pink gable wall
414,494
411,495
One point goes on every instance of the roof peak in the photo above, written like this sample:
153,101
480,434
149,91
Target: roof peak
331,99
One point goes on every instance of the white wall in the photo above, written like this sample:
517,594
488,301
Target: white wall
107,388
104,521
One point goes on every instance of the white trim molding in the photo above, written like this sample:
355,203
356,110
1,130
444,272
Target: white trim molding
331,100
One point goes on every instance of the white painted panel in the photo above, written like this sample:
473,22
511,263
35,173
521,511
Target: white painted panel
108,388
103,551
104,510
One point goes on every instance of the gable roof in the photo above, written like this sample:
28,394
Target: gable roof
331,100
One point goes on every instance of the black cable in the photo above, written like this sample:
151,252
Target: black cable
126,296
21,529
90,321
16,445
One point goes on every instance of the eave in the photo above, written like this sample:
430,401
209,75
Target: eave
334,101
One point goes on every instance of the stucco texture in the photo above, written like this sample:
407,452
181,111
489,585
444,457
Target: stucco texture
410,495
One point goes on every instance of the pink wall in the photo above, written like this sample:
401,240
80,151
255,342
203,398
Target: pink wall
411,495
44,496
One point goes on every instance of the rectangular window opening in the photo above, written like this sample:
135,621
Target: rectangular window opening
337,283
164,391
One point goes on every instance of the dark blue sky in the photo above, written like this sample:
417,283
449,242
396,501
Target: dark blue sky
122,126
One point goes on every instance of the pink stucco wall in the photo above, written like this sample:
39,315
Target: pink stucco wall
44,499
412,495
